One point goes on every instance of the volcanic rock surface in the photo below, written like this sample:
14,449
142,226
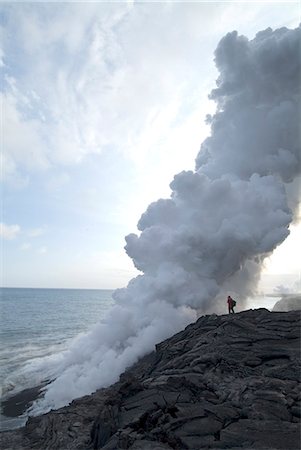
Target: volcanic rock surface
288,303
225,382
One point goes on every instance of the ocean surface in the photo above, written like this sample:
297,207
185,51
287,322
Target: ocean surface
41,322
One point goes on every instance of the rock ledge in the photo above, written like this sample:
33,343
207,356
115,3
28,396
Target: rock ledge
225,382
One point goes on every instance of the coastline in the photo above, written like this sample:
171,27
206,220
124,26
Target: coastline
17,404
13,409
216,383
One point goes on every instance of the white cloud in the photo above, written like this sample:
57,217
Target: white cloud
116,77
9,232
35,232
124,91
23,142
42,250
26,246
2,64
57,181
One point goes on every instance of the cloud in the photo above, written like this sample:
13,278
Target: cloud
125,80
57,181
9,232
221,221
115,98
26,246
2,64
23,144
36,232
247,100
42,250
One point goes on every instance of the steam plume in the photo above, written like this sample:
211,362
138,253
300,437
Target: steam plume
211,236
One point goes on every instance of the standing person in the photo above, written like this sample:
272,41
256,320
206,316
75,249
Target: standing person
231,304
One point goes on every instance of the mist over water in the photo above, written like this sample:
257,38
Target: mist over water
210,237
45,323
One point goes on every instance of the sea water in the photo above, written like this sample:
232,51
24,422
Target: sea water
40,322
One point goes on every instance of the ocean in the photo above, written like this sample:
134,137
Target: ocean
40,322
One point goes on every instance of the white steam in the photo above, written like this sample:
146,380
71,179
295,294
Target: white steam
221,221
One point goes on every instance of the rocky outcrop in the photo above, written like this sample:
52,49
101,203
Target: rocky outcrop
288,303
225,382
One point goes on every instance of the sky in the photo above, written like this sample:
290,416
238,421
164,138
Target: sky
102,104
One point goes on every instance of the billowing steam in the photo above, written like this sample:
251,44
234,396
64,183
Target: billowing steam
211,236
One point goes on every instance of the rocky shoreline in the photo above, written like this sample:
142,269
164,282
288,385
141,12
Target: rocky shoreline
16,405
225,382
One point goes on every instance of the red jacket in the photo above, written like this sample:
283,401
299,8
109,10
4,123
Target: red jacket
230,301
